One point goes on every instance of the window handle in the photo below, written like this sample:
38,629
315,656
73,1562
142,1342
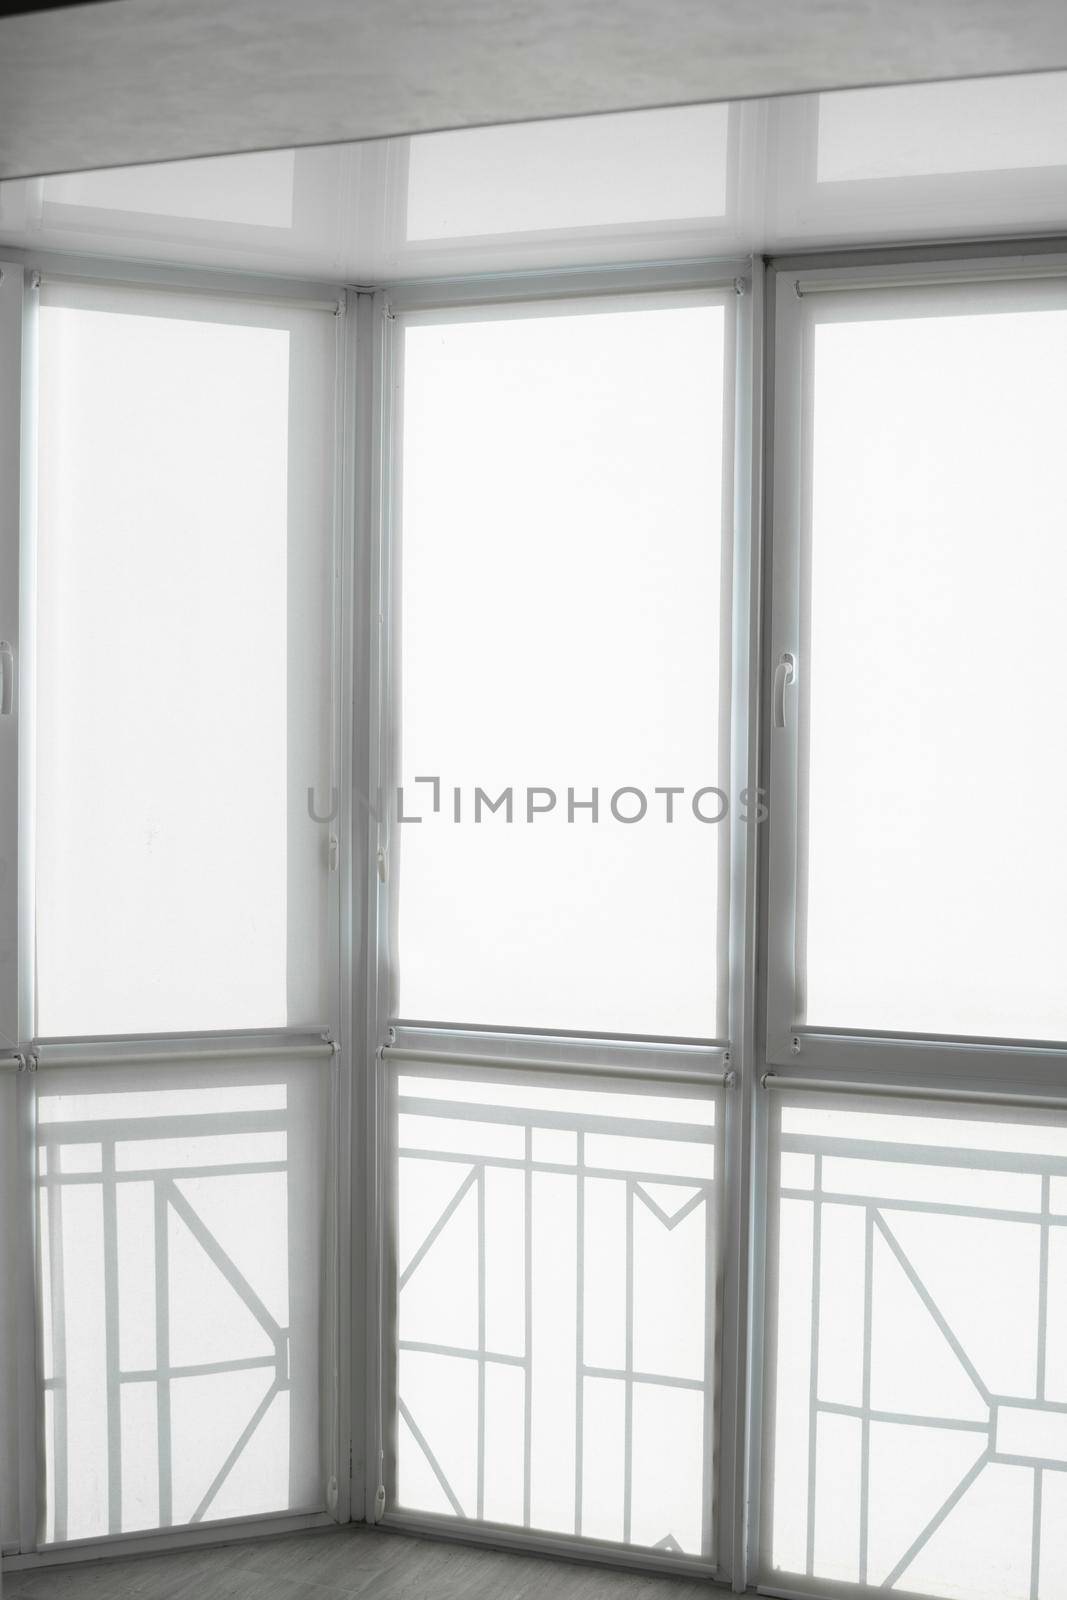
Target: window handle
7,677
785,673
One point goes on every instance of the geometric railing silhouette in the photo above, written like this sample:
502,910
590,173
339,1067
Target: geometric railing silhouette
917,1429
556,1306
165,1304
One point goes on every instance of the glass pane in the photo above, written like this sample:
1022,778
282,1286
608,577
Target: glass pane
562,635
181,1240
12,1207
183,648
937,868
918,1428
557,1314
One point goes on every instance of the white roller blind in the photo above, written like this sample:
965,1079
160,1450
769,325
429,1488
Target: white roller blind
182,1269
562,570
936,872
183,662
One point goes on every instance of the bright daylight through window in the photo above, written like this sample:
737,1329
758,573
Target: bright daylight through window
183,597
935,872
564,643
557,1310
532,877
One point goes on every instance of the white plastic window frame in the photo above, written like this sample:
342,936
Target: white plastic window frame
803,297
18,403
740,283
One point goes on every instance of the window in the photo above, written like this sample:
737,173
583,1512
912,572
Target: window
917,1437
182,1255
634,1286
558,916
930,871
556,1250
564,650
183,664
914,1398
185,937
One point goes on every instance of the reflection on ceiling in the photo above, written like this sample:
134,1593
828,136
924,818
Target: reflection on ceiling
985,125
983,158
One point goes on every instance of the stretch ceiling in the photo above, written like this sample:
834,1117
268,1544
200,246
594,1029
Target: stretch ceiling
979,158
127,81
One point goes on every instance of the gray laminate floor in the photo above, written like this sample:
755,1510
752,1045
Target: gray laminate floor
338,1565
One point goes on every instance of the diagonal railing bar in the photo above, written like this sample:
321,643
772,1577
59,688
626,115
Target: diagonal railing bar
198,1369
435,1466
670,1223
935,1521
237,1451
442,1222
931,1305
909,1419
216,1254
427,1347
635,1375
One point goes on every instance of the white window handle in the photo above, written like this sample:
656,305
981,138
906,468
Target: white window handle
7,677
785,673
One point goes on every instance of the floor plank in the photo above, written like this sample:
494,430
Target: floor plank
354,1563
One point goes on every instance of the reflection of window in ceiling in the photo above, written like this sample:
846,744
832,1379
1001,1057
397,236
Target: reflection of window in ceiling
921,130
629,169
248,190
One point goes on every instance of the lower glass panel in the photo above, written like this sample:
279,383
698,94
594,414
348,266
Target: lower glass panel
181,1267
556,1305
13,1220
917,1347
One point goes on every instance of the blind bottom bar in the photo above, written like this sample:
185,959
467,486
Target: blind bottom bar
953,278
914,1091
391,1053
175,286
153,1058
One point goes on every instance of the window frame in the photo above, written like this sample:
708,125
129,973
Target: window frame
761,1026
23,271
800,288
379,318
